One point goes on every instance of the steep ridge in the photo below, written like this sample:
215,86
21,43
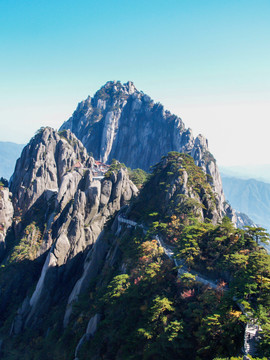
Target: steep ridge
178,186
84,287
43,167
60,212
140,303
252,330
123,123
78,281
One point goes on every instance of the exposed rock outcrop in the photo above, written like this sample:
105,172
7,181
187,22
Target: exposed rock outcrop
53,179
43,165
6,216
65,244
94,203
90,331
123,123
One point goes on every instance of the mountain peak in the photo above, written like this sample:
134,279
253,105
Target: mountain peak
122,123
112,88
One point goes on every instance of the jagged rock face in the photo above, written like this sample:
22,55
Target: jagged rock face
6,216
67,211
74,207
123,123
43,165
94,203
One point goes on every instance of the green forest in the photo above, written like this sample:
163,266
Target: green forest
148,308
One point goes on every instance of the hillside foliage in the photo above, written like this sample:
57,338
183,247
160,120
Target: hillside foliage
147,309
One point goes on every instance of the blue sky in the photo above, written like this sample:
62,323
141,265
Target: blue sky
206,61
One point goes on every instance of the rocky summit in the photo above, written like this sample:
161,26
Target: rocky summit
60,210
95,267
120,122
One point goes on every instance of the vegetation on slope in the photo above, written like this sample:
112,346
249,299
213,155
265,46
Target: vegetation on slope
176,186
149,312
3,182
137,176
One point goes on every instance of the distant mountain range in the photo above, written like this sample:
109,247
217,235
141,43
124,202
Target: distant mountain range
9,153
251,197
88,265
258,172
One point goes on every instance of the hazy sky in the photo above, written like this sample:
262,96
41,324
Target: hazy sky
206,61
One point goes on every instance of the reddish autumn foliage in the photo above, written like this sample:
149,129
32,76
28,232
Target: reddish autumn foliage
187,294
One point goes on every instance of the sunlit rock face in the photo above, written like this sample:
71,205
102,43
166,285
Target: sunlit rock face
54,191
43,165
122,123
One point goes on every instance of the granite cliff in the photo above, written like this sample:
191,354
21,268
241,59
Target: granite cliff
123,123
76,235
47,163
86,272
60,210
57,242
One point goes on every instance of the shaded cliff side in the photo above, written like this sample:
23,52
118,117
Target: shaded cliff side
60,211
99,283
72,269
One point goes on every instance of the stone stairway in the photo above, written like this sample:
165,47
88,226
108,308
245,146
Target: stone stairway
126,221
170,253
250,339
251,330
182,268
